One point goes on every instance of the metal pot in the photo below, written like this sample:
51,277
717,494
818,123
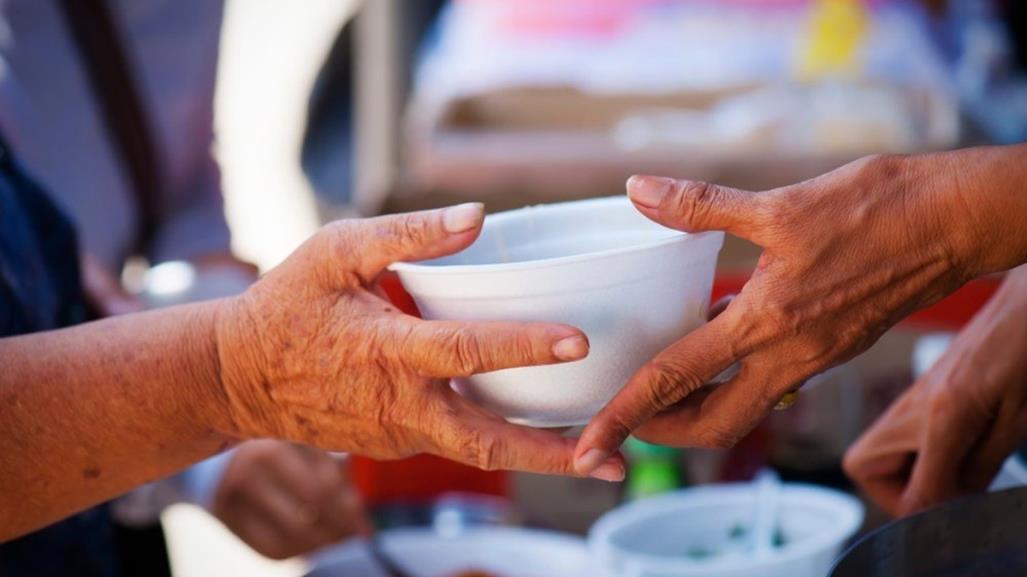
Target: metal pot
980,536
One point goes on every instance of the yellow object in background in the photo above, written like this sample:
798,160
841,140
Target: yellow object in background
836,30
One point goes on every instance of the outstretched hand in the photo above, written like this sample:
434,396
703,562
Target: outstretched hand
846,256
312,355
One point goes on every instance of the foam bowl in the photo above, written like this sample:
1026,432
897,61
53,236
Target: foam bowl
632,285
697,533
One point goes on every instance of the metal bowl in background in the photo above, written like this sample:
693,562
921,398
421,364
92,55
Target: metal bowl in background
980,536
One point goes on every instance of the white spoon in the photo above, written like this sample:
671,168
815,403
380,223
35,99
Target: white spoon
767,490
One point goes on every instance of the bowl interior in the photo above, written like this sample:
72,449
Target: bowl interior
501,551
560,230
706,527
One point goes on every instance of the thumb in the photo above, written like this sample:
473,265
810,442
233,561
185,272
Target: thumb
694,206
367,246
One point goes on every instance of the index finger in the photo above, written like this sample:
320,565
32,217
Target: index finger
951,433
476,437
445,349
881,460
671,376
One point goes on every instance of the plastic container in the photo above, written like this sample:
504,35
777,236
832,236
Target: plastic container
632,285
701,532
504,551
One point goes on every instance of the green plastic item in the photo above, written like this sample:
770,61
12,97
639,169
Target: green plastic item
654,469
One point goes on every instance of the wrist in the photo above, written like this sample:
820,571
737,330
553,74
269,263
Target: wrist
982,205
211,398
240,375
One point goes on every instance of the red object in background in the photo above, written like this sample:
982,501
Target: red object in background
420,479
424,477
948,314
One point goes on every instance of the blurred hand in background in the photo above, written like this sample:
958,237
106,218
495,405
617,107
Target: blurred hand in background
846,256
285,500
949,434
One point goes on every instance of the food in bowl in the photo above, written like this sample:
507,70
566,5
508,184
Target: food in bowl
633,286
704,532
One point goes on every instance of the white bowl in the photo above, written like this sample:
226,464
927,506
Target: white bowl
505,551
657,537
632,285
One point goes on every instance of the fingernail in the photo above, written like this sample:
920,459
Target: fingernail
648,191
610,472
463,217
571,348
590,461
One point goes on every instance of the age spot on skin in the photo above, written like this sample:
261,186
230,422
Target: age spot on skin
91,472
307,426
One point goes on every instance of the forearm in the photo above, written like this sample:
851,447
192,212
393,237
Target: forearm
89,412
985,191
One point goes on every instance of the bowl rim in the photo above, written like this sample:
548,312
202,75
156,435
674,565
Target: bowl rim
443,270
845,505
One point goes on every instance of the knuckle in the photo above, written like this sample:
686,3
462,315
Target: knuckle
716,437
693,199
612,428
464,351
488,450
878,165
772,209
776,313
767,396
478,449
335,235
523,350
671,381
942,403
407,230
814,350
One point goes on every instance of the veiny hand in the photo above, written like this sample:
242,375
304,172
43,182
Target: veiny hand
310,354
286,500
846,256
950,432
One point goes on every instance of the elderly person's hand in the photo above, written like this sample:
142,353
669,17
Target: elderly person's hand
950,432
286,500
310,354
846,256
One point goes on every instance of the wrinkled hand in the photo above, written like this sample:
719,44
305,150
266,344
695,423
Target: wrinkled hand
846,256
950,432
310,354
286,500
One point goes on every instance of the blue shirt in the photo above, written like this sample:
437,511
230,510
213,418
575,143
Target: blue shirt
39,290
52,122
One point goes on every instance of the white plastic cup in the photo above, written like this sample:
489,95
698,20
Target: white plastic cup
632,285
653,537
506,551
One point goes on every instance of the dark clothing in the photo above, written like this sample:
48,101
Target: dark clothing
40,290
39,276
